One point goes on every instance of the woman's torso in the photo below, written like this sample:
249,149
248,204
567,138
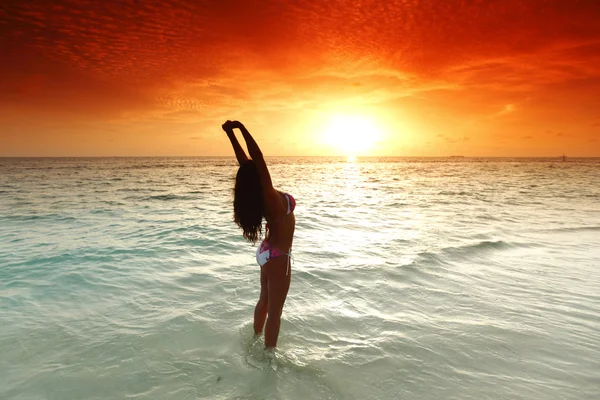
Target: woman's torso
280,230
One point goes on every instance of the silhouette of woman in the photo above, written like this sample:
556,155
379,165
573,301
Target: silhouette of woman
255,198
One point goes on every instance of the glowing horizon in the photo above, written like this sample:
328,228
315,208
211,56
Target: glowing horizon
419,78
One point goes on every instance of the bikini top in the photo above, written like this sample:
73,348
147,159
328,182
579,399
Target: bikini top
291,205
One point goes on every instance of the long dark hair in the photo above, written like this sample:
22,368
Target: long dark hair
248,208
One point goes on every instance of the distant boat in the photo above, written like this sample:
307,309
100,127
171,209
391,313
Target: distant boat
564,158
457,156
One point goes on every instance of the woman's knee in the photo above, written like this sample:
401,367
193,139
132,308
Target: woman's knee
273,320
264,296
263,302
275,310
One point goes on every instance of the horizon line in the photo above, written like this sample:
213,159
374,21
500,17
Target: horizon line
304,156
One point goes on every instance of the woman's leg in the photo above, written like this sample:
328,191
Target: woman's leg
278,285
260,311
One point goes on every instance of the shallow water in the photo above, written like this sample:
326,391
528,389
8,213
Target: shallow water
412,278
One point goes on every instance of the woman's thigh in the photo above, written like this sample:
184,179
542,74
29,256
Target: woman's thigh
264,288
278,282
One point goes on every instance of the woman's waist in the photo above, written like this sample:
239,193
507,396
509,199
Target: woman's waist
283,245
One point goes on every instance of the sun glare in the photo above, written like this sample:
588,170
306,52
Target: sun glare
351,134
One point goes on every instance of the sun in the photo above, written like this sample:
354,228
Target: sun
351,134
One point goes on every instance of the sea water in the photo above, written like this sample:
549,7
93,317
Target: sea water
412,279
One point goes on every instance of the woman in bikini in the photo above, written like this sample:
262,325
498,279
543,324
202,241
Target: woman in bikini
255,198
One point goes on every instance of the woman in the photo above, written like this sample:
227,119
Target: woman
254,199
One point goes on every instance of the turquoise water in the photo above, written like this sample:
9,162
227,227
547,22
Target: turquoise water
412,279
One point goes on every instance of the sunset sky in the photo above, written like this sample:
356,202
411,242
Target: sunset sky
393,78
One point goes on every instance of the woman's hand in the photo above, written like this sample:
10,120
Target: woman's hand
236,124
227,127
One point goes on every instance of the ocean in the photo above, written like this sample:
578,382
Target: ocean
412,278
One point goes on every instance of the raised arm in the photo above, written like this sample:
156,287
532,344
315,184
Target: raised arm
257,157
239,152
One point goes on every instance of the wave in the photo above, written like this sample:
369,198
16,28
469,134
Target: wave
426,258
151,166
481,247
142,189
454,193
398,204
167,197
574,229
114,203
488,245
485,246
52,217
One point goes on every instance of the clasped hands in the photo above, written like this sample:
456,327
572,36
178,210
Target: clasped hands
229,126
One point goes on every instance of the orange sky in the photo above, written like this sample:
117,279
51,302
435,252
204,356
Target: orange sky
469,77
